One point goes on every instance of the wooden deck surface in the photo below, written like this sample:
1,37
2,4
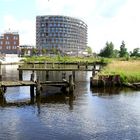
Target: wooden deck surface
30,83
16,83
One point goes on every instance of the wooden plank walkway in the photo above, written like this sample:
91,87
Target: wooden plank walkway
16,83
55,83
30,83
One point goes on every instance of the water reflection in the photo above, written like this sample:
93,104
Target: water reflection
110,91
53,98
100,114
106,91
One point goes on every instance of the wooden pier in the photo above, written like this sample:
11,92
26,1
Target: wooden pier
68,86
47,70
64,85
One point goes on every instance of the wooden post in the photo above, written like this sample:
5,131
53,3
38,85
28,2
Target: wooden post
73,74
58,64
47,75
33,65
78,65
71,84
93,72
2,98
38,86
0,72
1,91
52,65
20,74
63,75
94,66
32,76
86,64
45,64
32,94
32,88
91,81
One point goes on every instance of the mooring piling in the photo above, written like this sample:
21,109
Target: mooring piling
45,64
78,65
32,76
20,74
63,75
86,66
71,84
0,72
38,86
73,74
32,88
47,75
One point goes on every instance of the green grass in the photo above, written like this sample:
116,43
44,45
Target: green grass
129,71
68,59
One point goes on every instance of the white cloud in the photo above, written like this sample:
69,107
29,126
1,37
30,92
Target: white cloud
124,25
69,7
26,29
107,20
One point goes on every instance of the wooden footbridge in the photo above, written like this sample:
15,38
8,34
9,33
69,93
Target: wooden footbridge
47,70
37,84
64,85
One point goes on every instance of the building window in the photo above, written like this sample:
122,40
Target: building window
15,42
7,42
0,47
14,47
1,37
7,37
1,42
15,37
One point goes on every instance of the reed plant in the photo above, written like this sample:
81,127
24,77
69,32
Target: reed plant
129,71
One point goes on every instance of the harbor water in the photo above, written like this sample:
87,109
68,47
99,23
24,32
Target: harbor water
89,114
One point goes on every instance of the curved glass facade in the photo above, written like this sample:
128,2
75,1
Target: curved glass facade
61,32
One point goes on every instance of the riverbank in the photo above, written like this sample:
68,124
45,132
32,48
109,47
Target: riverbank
129,71
118,73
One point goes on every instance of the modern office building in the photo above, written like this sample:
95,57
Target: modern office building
9,43
64,33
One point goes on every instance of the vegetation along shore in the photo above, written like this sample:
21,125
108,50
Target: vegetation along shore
129,71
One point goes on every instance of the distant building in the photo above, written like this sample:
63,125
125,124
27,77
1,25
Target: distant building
9,43
63,33
26,50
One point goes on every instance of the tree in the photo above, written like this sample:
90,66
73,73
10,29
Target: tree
108,50
44,51
34,51
116,53
54,50
123,50
89,50
24,51
136,52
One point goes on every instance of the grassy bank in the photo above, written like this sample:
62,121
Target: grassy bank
128,70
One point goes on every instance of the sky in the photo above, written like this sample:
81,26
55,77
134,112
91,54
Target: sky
107,20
